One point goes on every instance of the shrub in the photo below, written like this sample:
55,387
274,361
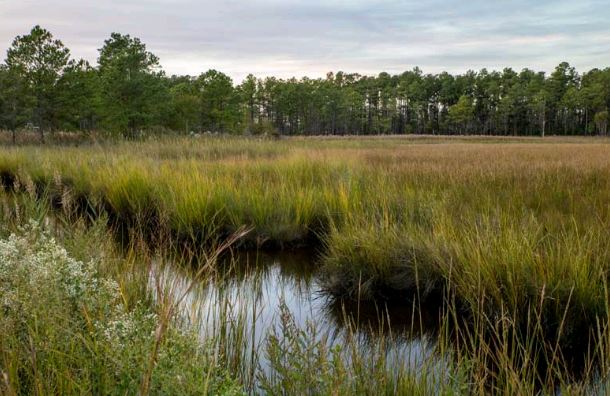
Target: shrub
65,330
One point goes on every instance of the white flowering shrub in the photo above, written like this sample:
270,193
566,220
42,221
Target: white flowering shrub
37,277
58,315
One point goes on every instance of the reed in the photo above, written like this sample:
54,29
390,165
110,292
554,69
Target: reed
509,234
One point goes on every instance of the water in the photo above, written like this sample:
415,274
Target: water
249,295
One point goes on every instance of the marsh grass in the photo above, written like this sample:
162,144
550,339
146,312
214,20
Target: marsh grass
303,362
131,337
511,234
77,316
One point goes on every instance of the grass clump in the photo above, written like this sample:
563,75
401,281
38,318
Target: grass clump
302,362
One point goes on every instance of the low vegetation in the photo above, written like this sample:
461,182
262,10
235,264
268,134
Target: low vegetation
507,236
71,327
80,317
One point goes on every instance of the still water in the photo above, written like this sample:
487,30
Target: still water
256,291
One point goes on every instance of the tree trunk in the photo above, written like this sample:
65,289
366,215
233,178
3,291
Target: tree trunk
586,121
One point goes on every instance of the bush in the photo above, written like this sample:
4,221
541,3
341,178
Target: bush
65,330
263,128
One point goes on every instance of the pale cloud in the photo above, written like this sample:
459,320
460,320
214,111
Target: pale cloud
295,38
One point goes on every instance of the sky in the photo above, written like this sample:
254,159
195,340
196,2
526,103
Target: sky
311,38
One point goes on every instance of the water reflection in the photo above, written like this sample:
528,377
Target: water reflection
248,291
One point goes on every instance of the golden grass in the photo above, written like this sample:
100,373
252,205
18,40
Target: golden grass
509,228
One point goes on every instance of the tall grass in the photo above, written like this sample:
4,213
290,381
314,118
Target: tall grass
77,316
511,234
90,319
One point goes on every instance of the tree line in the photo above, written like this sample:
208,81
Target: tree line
127,92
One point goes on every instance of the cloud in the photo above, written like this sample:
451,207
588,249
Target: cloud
286,38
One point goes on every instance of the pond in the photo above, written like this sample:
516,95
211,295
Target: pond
253,295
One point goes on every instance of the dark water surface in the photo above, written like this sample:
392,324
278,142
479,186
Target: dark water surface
250,294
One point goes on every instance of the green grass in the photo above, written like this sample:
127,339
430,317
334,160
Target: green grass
77,317
511,233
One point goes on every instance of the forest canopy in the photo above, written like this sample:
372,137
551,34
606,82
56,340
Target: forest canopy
127,92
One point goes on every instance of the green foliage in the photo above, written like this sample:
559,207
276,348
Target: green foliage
601,122
14,99
263,128
66,329
128,94
247,91
462,113
78,97
219,102
132,89
38,60
185,114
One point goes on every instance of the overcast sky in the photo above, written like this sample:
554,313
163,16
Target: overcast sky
296,38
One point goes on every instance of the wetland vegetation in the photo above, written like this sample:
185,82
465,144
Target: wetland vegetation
445,265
